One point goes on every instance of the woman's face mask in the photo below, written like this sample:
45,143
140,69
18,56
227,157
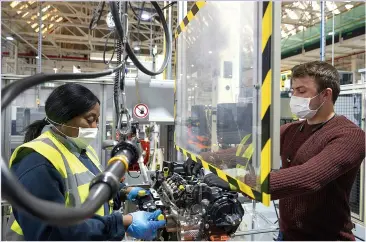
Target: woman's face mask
85,135
300,106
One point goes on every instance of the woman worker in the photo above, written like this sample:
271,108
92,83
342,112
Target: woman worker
56,163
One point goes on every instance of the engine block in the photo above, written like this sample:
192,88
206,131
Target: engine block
194,210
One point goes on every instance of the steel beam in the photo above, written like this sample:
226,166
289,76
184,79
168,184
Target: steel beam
87,18
39,60
75,24
322,31
15,33
276,72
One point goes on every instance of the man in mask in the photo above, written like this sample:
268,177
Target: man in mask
321,155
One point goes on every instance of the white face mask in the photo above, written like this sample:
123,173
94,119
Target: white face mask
300,107
85,136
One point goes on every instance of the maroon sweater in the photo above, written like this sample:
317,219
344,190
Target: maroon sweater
319,166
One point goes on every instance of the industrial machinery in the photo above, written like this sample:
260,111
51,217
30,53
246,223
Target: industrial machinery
196,206
124,154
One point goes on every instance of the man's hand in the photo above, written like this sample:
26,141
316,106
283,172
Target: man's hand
250,179
144,225
136,192
192,168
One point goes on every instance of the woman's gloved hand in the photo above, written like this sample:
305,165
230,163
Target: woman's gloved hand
136,192
145,225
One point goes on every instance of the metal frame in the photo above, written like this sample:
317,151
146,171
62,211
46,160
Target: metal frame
6,128
351,89
5,215
276,93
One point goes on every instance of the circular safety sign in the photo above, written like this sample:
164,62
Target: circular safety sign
141,110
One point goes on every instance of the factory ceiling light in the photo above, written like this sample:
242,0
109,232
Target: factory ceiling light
145,15
307,13
14,4
48,12
348,6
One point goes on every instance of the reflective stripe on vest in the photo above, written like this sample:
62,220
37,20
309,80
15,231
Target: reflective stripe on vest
76,176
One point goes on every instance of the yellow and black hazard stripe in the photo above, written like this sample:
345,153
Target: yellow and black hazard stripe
190,15
266,99
235,184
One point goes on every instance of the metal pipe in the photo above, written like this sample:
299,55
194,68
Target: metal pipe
16,58
39,60
333,38
143,170
164,49
256,231
322,31
169,67
276,71
167,188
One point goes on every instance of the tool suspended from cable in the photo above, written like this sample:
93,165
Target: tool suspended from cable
124,154
117,20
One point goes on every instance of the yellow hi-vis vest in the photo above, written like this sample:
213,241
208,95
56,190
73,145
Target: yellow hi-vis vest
76,176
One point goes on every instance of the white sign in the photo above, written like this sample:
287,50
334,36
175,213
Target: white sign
141,111
76,69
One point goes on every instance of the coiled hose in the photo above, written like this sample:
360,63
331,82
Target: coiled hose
131,54
116,90
18,196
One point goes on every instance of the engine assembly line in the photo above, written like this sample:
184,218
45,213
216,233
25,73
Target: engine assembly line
183,121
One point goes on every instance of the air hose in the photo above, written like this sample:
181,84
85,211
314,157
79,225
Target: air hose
131,54
102,188
116,88
11,91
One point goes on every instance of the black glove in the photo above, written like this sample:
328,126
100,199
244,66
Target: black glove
188,166
192,168
197,168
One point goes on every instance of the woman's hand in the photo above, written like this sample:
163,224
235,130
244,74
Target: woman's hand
144,225
135,192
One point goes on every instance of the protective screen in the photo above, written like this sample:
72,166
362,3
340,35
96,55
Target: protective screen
217,112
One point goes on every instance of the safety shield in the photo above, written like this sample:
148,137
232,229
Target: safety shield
223,92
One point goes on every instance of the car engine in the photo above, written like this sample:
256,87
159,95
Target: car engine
196,206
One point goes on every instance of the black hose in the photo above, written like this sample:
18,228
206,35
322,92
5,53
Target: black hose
105,48
50,212
117,78
11,91
134,12
169,5
102,188
131,54
96,15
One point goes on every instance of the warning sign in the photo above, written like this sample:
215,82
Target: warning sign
141,111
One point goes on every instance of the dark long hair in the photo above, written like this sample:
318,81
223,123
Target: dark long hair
63,104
